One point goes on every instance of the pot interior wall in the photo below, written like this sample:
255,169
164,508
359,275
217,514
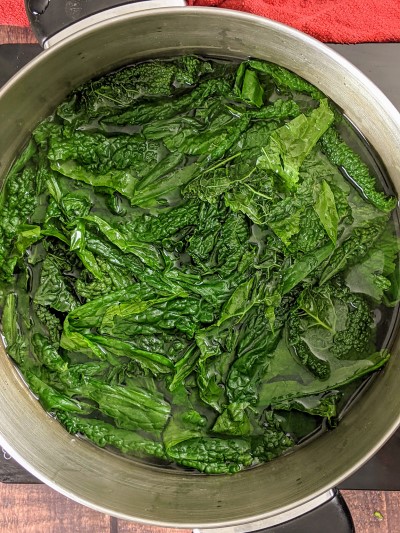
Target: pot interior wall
129,489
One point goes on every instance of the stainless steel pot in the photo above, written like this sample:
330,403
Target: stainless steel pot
269,493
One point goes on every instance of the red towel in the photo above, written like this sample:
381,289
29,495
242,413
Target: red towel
340,21
330,21
12,13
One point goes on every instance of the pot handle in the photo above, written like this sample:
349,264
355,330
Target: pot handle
328,513
54,20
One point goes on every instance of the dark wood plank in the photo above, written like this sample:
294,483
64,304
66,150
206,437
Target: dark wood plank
374,511
15,34
34,508
38,508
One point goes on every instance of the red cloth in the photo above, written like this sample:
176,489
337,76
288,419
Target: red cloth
331,21
12,13
340,21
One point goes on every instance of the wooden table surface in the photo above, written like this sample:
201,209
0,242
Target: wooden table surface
39,509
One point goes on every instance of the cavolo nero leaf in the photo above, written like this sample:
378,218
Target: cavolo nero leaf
354,248
325,208
344,157
375,274
54,290
105,434
248,87
289,145
329,323
285,380
285,79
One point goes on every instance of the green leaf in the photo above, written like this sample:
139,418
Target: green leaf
104,434
304,266
234,420
296,382
354,248
289,145
213,455
185,424
248,87
47,354
184,367
51,399
122,181
239,303
325,208
343,156
53,290
127,243
132,407
375,274
285,79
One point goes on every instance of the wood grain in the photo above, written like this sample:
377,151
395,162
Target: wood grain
374,511
40,509
15,34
